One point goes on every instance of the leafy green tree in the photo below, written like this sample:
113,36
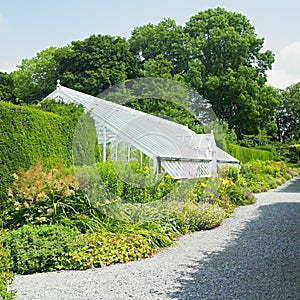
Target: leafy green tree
288,114
163,41
36,77
6,88
231,69
96,63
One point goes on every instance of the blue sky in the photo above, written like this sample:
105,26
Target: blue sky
27,27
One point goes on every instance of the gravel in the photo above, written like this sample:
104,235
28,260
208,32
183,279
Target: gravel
253,255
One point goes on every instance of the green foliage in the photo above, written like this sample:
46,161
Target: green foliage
134,183
288,114
217,53
96,63
244,154
260,176
6,274
46,248
293,154
165,42
232,69
38,196
71,111
194,217
104,249
36,77
255,141
28,134
6,88
38,248
229,193
49,247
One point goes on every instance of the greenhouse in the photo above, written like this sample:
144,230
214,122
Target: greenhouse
172,148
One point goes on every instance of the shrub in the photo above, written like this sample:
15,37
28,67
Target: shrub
46,248
244,154
134,183
260,176
193,217
105,249
28,134
228,192
38,196
36,248
6,274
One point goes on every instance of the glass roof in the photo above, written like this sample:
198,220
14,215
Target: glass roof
182,153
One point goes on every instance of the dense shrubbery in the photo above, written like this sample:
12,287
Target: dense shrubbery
60,229
28,134
244,154
133,183
105,249
259,176
6,274
38,248
194,217
38,196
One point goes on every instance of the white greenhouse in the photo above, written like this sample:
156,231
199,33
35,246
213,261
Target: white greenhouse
172,148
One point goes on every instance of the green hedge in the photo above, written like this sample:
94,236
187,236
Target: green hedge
244,154
6,274
28,134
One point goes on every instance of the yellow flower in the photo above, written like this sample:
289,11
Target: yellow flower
227,181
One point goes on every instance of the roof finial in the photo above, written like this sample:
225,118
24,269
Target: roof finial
58,83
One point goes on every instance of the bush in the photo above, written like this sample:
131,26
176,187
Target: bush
28,134
134,183
6,274
260,176
36,248
38,196
244,154
194,217
46,248
227,193
105,249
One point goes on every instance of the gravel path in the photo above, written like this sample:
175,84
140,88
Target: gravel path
253,255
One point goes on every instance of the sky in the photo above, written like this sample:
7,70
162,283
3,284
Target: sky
28,27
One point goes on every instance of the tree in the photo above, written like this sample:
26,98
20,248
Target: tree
36,77
6,88
217,53
163,41
96,63
227,57
288,114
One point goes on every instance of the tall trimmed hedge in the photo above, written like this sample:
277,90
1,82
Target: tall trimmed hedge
244,154
28,134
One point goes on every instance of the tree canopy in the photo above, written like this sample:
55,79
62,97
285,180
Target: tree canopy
36,77
217,53
6,88
288,114
232,68
96,63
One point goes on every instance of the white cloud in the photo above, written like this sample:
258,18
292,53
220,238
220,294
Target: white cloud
286,69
